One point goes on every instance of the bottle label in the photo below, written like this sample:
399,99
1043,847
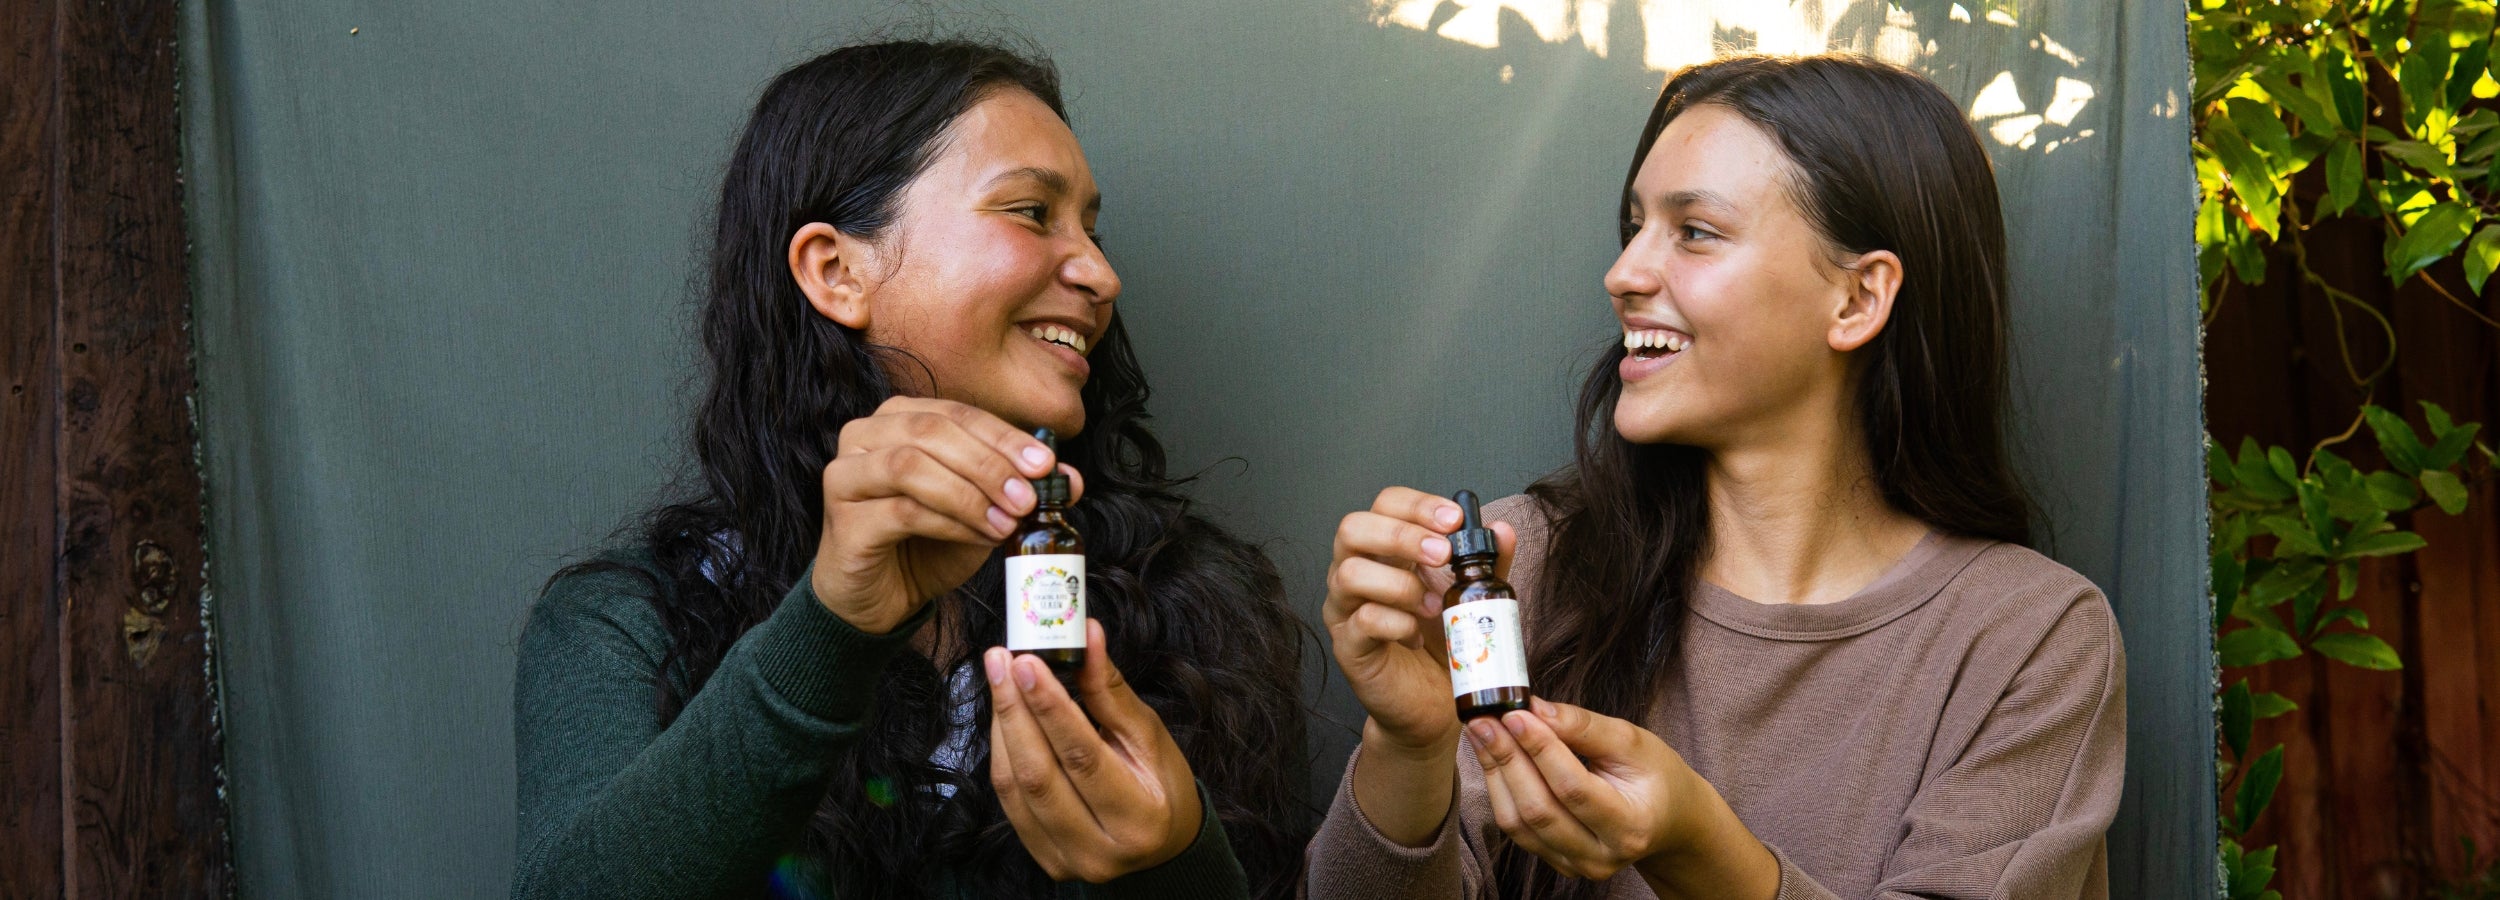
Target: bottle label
1485,650
1046,601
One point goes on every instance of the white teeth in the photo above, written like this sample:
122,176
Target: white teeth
1059,335
1653,339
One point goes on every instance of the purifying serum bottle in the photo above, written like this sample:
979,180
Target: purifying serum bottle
1480,616
1046,576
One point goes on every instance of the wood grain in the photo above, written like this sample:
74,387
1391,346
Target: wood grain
30,660
112,751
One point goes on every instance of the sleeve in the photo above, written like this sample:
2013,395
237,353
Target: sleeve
1350,858
612,805
1206,871
2025,810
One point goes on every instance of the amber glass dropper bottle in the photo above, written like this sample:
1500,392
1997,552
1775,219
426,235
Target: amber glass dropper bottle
1045,599
1480,616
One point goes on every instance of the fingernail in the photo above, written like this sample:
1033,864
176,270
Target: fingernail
1542,708
1483,731
1024,675
1518,726
1435,549
1447,515
1019,493
1036,457
989,667
1000,522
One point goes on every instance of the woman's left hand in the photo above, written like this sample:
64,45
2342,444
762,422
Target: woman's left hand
1096,799
1587,820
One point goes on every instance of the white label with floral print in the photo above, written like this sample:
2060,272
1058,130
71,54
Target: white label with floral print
1485,652
1046,601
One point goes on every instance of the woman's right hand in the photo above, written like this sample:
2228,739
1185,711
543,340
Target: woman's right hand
916,496
1385,581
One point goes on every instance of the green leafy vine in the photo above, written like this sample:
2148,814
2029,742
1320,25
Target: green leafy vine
2376,111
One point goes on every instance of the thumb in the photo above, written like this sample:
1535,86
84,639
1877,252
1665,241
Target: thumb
1506,541
1107,697
1589,734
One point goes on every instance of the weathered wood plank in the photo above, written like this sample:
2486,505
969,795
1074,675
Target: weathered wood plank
30,660
145,816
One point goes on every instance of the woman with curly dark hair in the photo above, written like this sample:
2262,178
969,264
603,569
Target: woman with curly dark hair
785,681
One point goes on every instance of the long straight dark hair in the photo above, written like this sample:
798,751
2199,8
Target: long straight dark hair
1197,619
1879,159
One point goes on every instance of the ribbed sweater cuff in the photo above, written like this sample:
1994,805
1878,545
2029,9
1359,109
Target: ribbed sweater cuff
1206,871
820,663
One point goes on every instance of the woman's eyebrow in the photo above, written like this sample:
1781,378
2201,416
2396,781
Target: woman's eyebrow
1051,180
1681,199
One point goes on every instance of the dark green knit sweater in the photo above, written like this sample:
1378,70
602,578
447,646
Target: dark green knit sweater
614,806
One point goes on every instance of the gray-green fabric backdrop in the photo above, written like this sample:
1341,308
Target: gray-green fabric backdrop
442,251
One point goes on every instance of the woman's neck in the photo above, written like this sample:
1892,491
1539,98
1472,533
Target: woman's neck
1800,518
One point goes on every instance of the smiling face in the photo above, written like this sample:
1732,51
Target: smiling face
990,276
1736,318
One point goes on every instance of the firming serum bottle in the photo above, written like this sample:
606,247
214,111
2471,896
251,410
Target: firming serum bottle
1480,616
1046,576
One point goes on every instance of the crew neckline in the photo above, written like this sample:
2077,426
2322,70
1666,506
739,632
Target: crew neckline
1910,582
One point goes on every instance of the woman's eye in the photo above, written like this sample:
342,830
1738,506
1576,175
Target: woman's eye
1036,213
1692,233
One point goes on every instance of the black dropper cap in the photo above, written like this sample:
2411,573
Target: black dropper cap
1051,489
1472,539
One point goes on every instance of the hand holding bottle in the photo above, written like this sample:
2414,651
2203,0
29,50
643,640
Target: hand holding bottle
915,497
1384,585
1091,799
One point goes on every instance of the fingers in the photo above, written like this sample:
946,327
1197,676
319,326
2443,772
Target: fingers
1534,818
1023,762
1030,458
1585,796
1101,777
1390,539
888,446
927,487
1433,510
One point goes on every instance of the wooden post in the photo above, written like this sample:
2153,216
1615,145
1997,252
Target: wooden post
109,736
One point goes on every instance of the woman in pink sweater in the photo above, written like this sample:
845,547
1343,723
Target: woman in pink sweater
1785,635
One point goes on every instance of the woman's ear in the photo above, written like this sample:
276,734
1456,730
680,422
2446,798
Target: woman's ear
832,270
1867,305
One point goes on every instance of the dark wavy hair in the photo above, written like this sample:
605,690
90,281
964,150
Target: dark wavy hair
1879,159
1197,619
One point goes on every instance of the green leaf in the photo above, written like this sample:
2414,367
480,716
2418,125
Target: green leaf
2313,508
2238,718
2218,464
2305,609
2423,77
2437,417
2257,788
2395,439
2431,239
2254,646
2482,256
2343,178
2281,582
2351,102
2347,580
2279,461
2245,874
2392,492
2360,650
2470,66
2263,127
2314,116
2343,614
2386,27
2227,574
2252,179
2445,490
2387,544
2270,704
2419,155
2294,536
2257,475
